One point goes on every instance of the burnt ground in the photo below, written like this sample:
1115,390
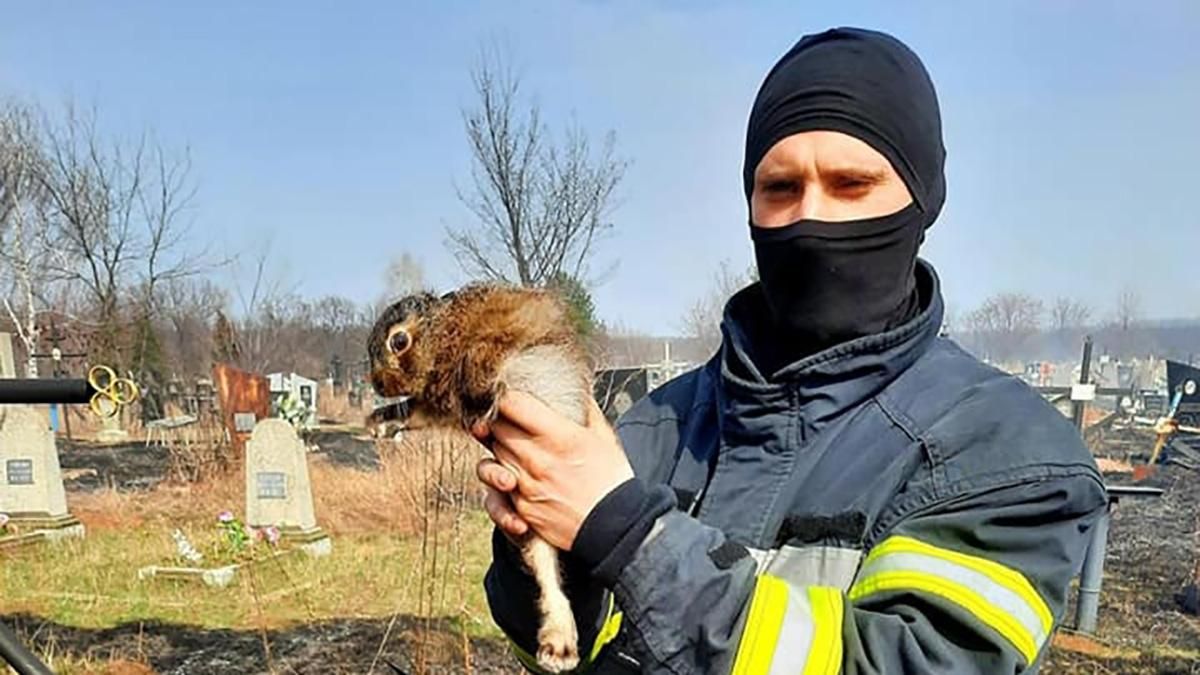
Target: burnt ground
134,466
343,448
1152,553
127,466
344,646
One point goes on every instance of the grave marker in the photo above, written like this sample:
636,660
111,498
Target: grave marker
111,430
8,368
31,487
278,491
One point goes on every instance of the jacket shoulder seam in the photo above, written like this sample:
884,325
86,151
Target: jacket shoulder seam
928,499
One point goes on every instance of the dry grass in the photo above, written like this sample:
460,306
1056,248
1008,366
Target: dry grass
407,539
420,476
337,407
93,664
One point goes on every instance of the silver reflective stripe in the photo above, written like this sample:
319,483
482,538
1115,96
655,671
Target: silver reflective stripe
761,557
992,592
810,565
816,566
795,635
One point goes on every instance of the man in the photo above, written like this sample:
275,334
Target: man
839,489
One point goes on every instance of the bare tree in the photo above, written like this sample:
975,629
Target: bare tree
1004,324
1067,315
117,210
540,204
1129,308
264,296
702,321
23,225
404,275
1125,334
1068,322
190,307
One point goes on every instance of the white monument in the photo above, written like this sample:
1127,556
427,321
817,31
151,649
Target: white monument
278,491
31,487
111,431
8,367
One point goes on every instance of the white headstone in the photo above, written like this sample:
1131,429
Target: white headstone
8,367
31,487
111,431
278,491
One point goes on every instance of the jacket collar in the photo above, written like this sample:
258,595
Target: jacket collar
824,385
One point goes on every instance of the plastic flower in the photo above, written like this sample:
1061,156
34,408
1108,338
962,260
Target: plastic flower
273,535
185,548
3,520
225,517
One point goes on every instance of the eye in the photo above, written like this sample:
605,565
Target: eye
399,342
781,187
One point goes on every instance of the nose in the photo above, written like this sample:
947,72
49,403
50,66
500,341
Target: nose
379,382
813,204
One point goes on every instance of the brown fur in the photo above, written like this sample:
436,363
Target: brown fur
466,350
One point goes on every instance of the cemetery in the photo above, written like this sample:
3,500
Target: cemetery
152,549
345,540
265,275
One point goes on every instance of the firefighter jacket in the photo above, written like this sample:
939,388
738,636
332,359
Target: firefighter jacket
890,505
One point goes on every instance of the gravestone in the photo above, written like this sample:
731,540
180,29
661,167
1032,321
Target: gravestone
31,487
278,491
111,430
8,367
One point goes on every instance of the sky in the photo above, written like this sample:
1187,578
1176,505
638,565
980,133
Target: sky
332,132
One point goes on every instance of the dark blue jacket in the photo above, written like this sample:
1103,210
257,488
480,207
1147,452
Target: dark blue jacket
890,505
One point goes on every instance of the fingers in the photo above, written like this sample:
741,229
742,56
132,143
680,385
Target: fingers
511,463
480,431
597,422
594,413
530,414
499,509
513,437
495,475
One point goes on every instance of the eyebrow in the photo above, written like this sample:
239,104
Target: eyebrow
873,176
787,173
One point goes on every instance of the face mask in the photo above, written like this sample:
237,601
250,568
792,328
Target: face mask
830,282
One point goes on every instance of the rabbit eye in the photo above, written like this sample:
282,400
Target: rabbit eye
399,342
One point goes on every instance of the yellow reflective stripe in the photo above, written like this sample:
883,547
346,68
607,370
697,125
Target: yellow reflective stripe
612,626
968,599
825,655
791,629
608,632
1003,576
761,634
1000,597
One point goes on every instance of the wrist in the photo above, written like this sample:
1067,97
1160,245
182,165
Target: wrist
615,528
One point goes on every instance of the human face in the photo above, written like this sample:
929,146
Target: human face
825,176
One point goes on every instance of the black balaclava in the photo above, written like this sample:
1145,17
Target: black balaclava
827,283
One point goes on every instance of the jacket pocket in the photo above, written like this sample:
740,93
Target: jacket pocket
811,565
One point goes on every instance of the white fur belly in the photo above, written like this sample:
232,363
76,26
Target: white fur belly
554,375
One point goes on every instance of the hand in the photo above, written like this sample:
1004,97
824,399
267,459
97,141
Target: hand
499,481
549,473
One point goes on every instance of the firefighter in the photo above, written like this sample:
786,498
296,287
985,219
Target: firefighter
839,490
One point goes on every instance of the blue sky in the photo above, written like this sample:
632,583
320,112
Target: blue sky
334,130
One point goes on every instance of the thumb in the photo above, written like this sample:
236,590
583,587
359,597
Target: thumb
597,422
